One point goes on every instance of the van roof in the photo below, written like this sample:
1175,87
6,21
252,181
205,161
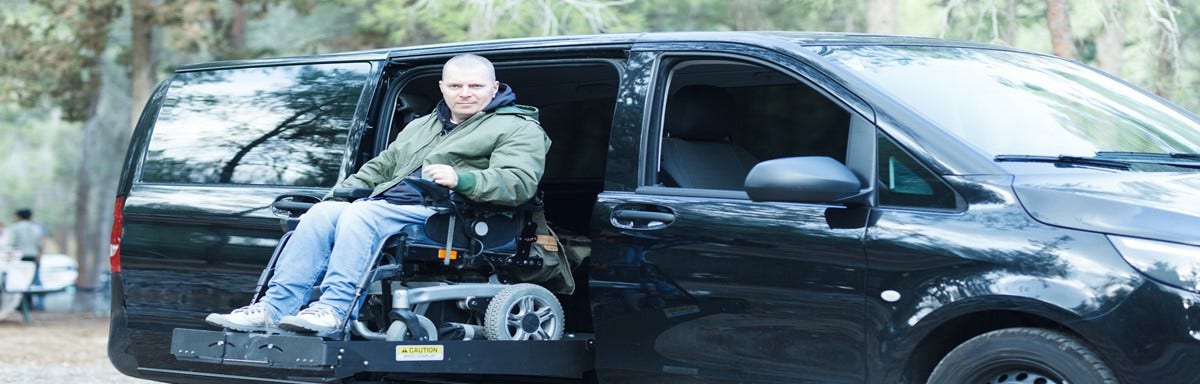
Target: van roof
765,38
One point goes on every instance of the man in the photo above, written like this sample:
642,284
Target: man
27,238
478,143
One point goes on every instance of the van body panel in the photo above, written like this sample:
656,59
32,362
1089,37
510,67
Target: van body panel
943,270
720,298
685,283
198,219
1150,205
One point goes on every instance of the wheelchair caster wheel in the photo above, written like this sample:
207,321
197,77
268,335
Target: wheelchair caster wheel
398,331
524,312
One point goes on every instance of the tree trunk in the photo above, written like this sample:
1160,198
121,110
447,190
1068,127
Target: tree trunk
1057,18
1165,86
142,61
1167,55
747,16
881,16
237,29
1011,24
1111,41
85,251
483,25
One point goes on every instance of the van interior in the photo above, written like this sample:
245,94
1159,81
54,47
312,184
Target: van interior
575,100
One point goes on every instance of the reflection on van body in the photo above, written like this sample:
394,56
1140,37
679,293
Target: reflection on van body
748,207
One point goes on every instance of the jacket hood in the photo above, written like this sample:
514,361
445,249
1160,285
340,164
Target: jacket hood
1160,206
504,97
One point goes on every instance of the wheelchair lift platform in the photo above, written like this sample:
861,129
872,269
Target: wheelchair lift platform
570,357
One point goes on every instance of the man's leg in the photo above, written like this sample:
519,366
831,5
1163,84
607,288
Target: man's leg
361,229
304,259
301,261
35,300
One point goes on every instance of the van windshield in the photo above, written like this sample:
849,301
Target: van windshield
1010,103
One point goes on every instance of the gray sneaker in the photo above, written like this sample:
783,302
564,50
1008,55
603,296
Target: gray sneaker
251,318
319,319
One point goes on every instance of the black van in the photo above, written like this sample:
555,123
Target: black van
750,207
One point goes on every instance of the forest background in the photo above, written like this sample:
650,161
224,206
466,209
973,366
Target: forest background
74,74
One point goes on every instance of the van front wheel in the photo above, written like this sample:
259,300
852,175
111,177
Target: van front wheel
1022,356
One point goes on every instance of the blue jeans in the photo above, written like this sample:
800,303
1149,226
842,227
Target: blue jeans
336,242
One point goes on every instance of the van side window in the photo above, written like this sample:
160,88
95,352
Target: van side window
283,125
904,182
722,117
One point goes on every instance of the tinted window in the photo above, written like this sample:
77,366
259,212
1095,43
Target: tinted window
274,125
905,182
723,117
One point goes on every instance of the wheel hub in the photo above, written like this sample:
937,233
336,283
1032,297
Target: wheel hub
1021,377
530,323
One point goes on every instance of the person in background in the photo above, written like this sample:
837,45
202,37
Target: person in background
28,238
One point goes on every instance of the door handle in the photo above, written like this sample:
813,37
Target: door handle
641,219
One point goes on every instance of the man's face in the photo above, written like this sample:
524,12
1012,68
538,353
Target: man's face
467,90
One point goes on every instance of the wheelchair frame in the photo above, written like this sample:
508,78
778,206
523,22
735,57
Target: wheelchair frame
514,316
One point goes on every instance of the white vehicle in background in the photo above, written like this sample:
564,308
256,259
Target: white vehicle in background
58,273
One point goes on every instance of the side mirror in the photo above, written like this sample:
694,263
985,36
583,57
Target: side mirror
810,179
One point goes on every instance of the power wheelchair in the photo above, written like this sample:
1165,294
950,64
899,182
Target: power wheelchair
476,280
465,275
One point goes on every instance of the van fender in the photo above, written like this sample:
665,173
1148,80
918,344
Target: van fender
956,309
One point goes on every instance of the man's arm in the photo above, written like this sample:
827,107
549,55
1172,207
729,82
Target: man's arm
374,171
515,167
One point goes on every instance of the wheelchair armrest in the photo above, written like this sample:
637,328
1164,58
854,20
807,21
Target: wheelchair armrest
432,194
351,194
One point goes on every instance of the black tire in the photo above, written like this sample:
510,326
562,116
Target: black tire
398,330
524,312
1022,356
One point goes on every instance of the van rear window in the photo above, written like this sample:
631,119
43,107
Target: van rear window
284,125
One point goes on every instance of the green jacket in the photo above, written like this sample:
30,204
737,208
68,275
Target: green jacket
500,155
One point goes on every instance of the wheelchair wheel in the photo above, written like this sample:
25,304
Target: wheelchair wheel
398,331
524,312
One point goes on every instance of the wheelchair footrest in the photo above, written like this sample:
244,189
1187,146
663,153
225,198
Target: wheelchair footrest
569,357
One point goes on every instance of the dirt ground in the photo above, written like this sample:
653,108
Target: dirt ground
57,347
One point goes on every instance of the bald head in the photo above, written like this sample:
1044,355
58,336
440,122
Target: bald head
472,63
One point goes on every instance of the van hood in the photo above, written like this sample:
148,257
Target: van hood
1161,206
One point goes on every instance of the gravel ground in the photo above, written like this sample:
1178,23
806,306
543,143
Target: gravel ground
57,347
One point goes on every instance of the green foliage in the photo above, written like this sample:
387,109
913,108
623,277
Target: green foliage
39,168
49,52
747,15
405,22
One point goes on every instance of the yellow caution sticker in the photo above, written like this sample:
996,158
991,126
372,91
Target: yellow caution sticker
420,353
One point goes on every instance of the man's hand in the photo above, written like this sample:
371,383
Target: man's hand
441,174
